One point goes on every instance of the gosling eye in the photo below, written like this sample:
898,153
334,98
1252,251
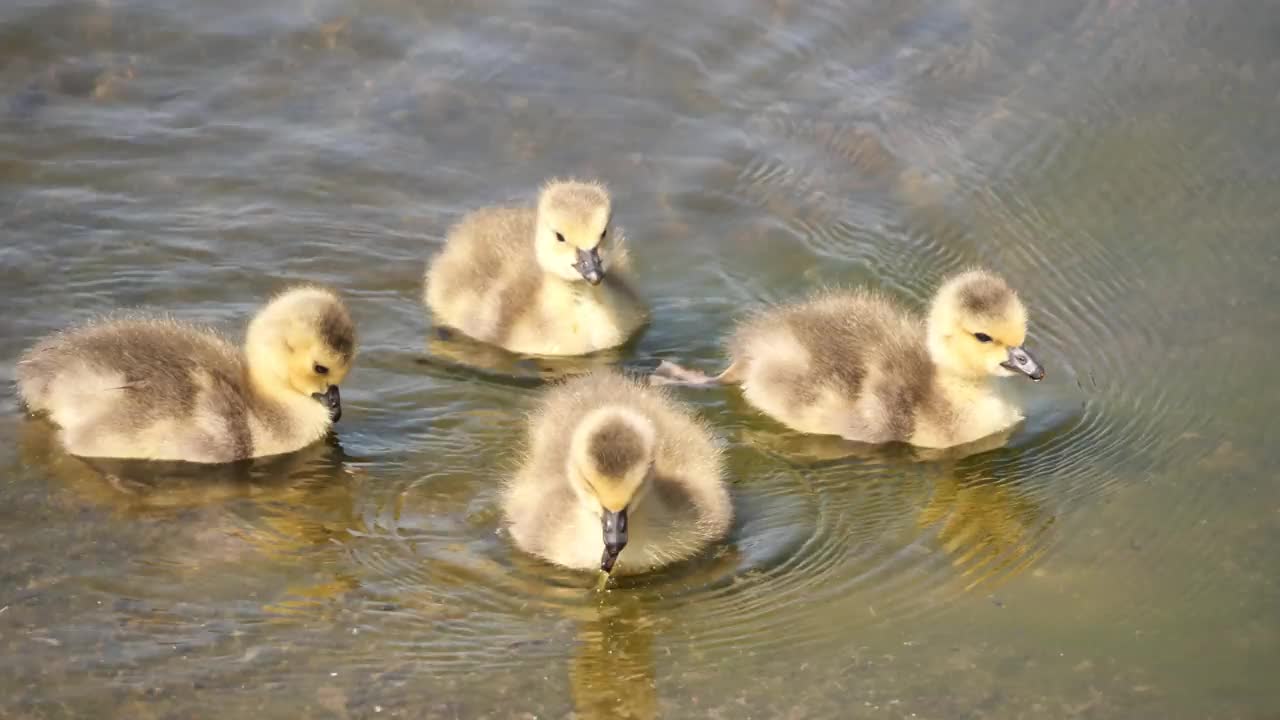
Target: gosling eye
560,237
321,369
982,337
603,233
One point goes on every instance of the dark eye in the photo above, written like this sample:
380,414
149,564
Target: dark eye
603,233
559,237
982,337
321,370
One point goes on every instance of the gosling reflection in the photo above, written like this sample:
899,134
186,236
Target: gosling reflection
454,355
986,520
830,448
611,673
452,352
193,520
134,488
991,530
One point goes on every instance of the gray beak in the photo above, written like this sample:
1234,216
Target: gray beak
1024,362
331,399
614,525
590,266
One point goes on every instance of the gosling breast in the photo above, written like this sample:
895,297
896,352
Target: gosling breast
489,283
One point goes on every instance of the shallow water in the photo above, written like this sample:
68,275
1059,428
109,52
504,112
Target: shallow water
1117,159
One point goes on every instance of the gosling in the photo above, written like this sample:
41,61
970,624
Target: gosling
612,464
551,280
861,366
156,389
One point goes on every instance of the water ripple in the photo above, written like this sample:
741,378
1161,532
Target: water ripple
1111,158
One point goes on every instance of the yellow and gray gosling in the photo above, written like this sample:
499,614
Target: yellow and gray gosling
550,280
859,365
613,464
157,389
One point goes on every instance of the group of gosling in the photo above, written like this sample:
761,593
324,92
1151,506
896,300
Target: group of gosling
612,461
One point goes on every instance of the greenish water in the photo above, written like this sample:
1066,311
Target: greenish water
1118,160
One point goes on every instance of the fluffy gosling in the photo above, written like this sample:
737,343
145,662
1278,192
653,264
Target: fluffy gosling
550,280
861,366
157,389
613,464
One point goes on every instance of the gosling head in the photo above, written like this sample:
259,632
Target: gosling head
573,230
303,343
611,464
977,326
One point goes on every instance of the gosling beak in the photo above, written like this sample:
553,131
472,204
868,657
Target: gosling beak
1024,362
331,399
589,265
615,537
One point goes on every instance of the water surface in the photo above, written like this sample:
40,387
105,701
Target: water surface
1112,557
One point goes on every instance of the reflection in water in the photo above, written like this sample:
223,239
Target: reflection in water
990,527
804,525
142,489
452,355
455,356
611,673
825,448
991,530
212,517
